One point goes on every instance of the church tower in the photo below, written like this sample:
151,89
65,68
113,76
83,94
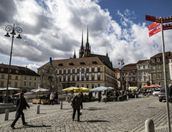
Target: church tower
74,55
87,47
81,51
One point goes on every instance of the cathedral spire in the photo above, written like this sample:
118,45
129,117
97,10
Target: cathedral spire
74,55
87,47
82,42
81,52
87,35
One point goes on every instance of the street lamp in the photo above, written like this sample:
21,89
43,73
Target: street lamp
12,31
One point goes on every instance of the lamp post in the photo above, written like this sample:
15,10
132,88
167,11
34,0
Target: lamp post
12,31
121,63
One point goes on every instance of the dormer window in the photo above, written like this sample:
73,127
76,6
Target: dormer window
94,62
60,64
153,60
158,59
71,64
82,63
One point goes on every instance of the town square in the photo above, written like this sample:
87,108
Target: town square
85,66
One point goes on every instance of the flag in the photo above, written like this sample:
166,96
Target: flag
154,31
154,28
153,25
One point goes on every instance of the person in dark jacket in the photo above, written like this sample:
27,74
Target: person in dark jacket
76,105
21,105
99,96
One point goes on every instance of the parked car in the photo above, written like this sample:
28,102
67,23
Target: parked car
162,96
156,92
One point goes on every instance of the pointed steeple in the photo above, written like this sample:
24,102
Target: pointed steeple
107,54
87,47
87,35
82,41
81,52
74,55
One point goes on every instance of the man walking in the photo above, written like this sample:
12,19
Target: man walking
76,105
21,104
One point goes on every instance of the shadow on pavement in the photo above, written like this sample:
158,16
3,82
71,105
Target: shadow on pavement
67,108
42,113
95,108
31,126
94,121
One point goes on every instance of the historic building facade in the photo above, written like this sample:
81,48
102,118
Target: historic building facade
129,75
143,73
19,77
89,70
156,71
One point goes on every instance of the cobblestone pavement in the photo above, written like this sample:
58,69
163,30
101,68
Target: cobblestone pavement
124,116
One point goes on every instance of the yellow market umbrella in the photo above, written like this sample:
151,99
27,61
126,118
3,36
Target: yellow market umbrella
70,89
76,89
83,89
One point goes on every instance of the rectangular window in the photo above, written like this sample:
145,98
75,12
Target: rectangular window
2,76
98,69
68,71
2,84
98,77
24,83
16,84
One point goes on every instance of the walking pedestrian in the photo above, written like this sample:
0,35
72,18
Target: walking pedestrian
21,105
76,105
52,98
99,96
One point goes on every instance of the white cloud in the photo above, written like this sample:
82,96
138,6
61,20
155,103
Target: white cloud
53,29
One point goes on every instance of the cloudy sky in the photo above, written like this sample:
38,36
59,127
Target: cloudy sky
53,28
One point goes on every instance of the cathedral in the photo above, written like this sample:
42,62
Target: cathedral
88,70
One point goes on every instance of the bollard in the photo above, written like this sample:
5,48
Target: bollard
127,97
61,105
38,109
6,114
149,125
135,96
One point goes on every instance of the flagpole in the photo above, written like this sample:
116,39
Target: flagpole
165,80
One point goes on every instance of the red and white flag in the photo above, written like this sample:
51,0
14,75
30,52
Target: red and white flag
154,28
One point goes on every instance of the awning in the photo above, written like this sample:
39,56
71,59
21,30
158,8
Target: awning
152,86
9,88
132,88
